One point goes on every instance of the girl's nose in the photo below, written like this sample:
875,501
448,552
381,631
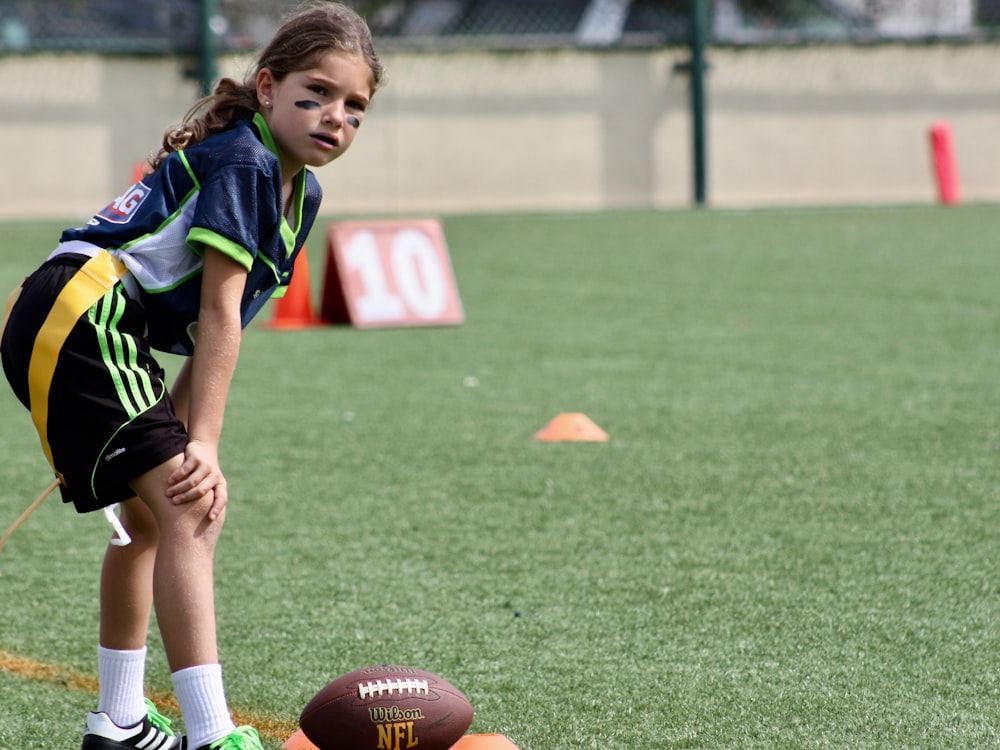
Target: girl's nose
334,113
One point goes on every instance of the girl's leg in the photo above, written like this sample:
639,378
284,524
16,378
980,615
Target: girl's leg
127,580
183,578
184,597
126,601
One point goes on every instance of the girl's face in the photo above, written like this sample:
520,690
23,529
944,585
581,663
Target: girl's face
314,114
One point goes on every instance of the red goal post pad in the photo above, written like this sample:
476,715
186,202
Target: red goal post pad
389,273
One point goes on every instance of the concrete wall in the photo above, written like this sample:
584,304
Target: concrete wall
551,130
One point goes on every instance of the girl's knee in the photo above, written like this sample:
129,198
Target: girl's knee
185,523
188,523
139,522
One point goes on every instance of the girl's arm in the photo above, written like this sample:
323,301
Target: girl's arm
206,378
180,391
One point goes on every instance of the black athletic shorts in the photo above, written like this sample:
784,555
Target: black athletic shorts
109,416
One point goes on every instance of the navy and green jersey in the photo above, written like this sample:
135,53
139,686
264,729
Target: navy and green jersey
224,193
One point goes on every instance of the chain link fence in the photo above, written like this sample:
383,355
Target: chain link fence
175,26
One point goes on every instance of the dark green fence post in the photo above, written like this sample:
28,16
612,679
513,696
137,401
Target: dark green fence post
208,46
699,36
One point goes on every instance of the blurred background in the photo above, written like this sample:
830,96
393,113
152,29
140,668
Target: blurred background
496,105
173,26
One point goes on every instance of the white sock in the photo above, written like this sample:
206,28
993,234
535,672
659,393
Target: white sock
202,699
122,674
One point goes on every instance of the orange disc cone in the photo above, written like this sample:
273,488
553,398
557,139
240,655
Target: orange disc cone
298,741
484,742
572,427
294,310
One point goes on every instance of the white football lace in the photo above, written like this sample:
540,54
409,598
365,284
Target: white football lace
378,687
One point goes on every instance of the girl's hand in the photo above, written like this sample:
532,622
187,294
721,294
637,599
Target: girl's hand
198,476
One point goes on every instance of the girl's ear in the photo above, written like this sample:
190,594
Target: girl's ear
265,87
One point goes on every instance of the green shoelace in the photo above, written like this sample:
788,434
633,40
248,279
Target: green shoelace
157,719
242,738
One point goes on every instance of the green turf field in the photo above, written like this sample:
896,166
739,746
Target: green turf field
790,540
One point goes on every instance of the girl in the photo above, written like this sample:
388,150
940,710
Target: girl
180,263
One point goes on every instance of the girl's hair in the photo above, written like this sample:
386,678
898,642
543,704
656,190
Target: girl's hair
298,44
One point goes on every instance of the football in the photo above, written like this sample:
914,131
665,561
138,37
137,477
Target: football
386,707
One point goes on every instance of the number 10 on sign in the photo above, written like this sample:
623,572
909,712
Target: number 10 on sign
390,273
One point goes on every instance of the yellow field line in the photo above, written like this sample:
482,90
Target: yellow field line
269,727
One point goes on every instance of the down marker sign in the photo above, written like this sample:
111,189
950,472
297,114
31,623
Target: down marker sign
382,274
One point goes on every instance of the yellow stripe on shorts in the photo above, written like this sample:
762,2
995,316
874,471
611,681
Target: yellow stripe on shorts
9,306
84,290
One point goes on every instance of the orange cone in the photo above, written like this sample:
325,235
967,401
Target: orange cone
572,427
139,170
945,164
298,741
484,742
294,310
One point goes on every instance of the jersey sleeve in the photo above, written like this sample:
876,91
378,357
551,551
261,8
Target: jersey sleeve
238,206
